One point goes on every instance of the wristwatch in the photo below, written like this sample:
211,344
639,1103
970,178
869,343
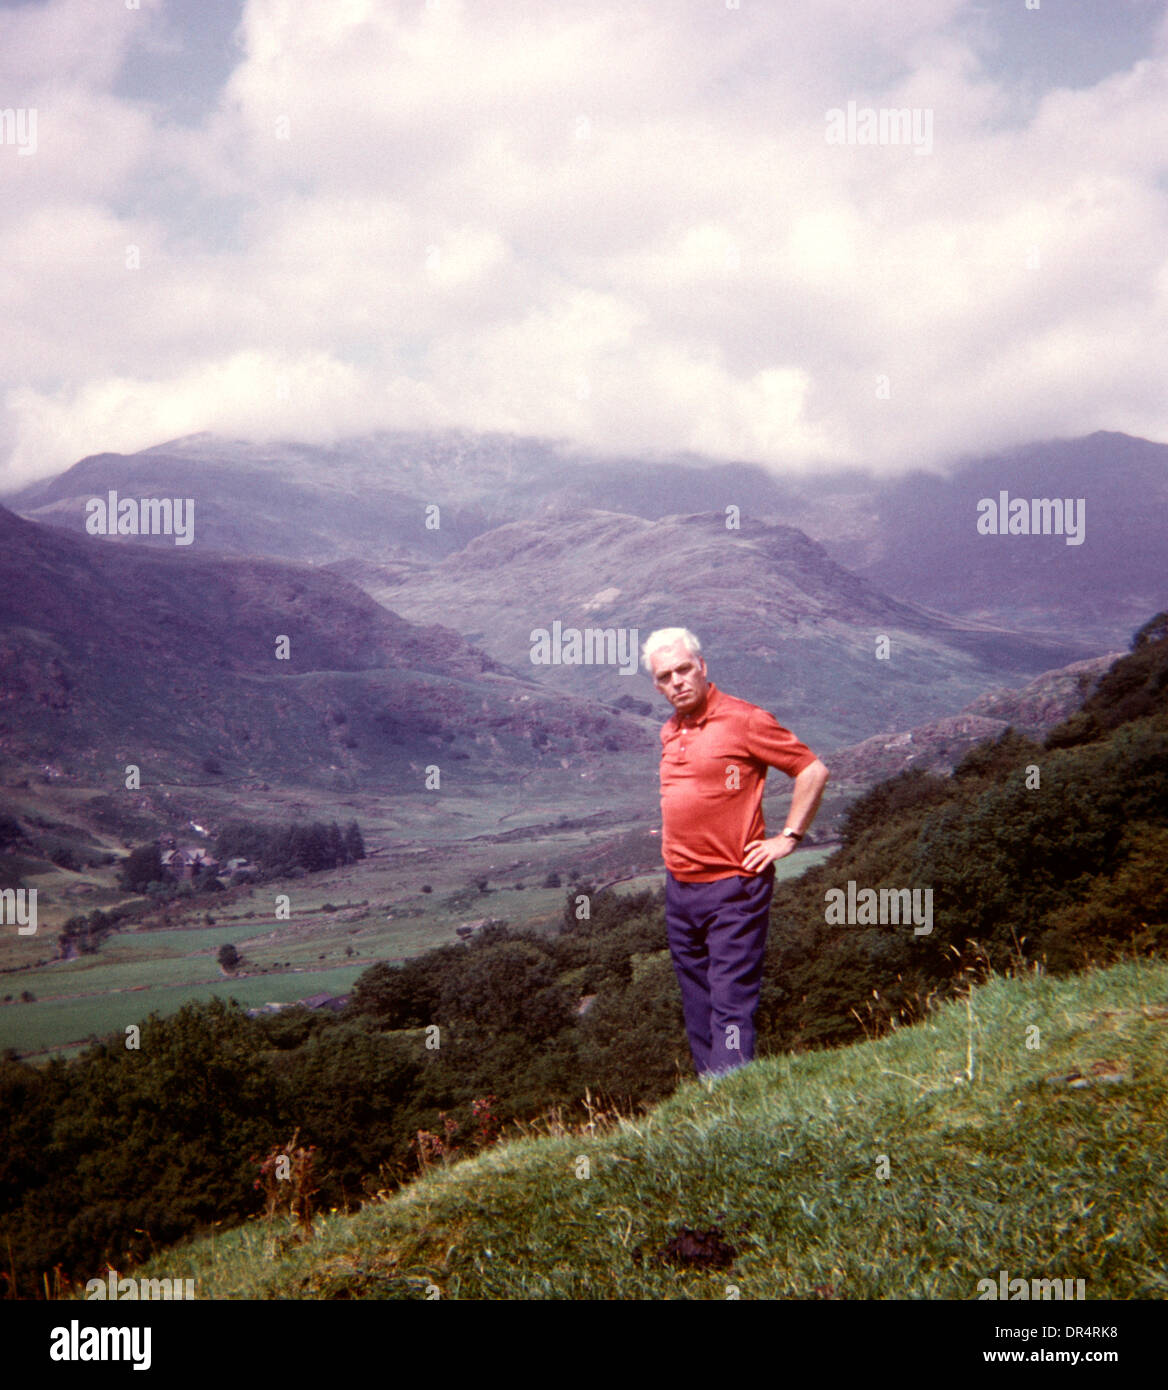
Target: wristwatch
793,834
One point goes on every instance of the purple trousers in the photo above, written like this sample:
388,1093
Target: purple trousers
717,936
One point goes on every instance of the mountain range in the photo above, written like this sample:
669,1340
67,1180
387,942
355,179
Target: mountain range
413,575
915,536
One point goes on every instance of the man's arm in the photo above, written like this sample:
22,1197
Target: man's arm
805,799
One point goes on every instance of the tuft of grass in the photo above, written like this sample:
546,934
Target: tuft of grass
1022,1129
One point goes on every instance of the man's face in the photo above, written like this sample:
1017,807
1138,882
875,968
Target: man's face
681,677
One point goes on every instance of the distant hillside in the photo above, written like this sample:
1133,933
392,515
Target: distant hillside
940,744
170,659
963,1114
366,497
782,623
922,542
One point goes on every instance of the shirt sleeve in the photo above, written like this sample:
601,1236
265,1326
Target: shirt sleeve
776,746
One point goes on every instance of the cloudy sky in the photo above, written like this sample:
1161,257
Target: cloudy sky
633,226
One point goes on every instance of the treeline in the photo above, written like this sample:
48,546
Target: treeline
274,850
282,849
1053,852
83,934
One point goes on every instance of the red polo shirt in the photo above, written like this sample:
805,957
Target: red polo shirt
712,772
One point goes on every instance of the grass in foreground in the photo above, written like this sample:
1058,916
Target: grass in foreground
995,1160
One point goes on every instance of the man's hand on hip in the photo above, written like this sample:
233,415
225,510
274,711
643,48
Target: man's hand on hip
760,853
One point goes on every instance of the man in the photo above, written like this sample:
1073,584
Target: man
720,875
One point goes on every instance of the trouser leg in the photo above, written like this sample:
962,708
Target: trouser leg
691,964
717,938
736,941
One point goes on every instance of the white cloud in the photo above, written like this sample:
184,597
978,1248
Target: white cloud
311,397
617,224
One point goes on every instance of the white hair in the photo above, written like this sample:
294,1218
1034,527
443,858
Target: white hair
667,637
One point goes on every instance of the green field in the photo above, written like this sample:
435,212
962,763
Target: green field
43,1026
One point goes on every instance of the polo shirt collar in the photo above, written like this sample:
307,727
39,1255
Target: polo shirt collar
712,696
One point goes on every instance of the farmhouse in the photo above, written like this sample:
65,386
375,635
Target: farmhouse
184,864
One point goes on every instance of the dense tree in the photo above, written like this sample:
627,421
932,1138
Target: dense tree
281,850
147,1143
354,1093
141,868
354,844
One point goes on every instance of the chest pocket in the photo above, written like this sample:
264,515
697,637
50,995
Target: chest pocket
671,754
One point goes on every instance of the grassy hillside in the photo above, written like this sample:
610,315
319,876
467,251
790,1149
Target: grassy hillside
1024,1129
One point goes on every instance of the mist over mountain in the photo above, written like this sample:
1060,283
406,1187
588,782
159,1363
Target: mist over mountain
923,542
406,500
